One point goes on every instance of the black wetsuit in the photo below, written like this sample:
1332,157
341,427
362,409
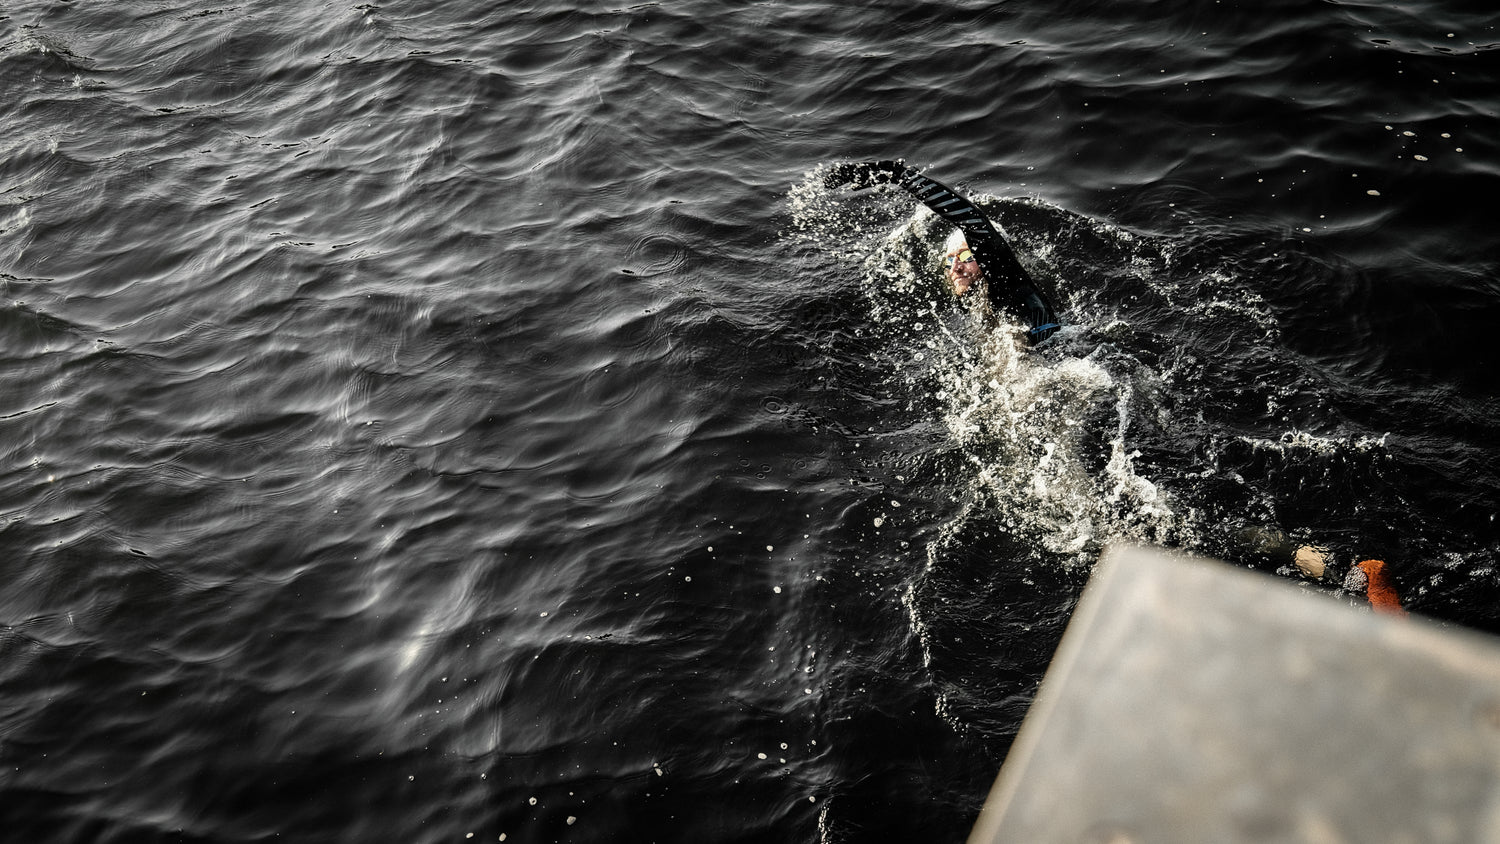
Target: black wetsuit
1007,285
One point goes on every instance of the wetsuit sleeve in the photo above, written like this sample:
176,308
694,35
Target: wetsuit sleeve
1008,285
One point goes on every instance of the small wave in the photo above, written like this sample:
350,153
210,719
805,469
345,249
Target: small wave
1304,441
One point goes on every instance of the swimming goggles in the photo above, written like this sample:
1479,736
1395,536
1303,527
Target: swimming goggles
963,257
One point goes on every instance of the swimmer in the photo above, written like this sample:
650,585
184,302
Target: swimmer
992,267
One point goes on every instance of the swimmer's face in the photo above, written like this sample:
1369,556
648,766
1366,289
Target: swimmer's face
962,270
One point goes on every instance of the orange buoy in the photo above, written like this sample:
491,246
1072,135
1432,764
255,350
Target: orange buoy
1379,590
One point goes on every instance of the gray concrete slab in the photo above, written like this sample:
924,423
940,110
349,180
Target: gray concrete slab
1194,702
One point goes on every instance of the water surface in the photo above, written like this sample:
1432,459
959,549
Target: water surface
455,418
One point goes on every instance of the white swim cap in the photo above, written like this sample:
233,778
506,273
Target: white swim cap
955,241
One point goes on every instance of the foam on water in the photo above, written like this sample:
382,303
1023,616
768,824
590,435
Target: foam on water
1294,441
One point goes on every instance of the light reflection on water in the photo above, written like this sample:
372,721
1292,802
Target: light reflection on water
416,412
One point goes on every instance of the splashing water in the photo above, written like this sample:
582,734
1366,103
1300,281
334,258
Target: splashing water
1046,432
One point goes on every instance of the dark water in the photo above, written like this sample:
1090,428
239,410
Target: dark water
443,419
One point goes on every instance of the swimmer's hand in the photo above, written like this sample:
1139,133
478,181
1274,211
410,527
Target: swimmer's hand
864,174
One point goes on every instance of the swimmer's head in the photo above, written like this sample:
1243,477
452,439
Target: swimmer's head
959,266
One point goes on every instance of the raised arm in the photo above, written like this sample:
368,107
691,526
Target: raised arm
1009,287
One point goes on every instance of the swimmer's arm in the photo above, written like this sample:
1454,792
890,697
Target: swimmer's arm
1002,271
995,256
